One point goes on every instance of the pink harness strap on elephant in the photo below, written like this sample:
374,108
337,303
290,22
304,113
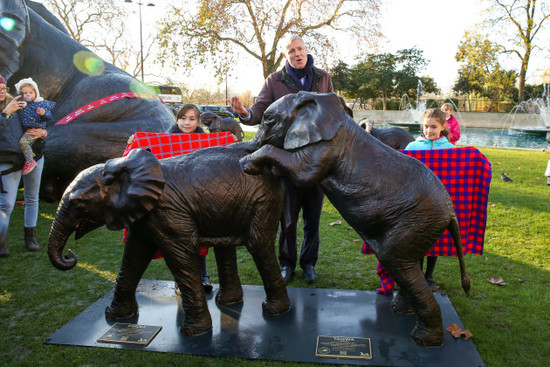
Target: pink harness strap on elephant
103,101
164,145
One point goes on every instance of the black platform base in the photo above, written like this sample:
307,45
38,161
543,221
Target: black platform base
242,331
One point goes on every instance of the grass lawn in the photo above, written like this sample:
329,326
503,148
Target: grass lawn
510,323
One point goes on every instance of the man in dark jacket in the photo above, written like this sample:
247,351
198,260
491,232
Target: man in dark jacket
297,74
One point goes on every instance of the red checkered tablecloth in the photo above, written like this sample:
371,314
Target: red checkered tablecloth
466,173
164,145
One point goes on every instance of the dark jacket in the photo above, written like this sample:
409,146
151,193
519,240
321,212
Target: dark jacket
279,84
176,130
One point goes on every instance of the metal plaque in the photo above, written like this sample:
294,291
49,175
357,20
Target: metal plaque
124,333
343,347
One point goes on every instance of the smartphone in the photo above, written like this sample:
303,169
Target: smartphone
19,94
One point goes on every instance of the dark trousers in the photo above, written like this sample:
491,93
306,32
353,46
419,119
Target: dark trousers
310,201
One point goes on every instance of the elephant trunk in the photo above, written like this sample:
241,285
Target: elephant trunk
61,229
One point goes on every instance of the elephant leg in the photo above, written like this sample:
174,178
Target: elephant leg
414,290
136,259
231,291
185,266
262,248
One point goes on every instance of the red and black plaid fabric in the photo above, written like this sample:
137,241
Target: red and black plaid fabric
164,145
466,173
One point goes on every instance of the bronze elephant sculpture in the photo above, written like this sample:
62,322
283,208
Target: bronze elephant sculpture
175,205
394,202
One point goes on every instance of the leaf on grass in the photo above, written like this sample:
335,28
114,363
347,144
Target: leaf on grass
332,224
495,281
507,266
519,167
457,332
356,240
493,205
521,280
537,178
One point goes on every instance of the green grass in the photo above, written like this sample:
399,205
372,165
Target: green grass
509,323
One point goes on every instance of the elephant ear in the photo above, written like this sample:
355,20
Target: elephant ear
13,30
316,117
131,186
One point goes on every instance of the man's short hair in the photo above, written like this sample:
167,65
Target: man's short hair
288,40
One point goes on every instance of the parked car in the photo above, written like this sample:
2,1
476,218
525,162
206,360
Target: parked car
222,111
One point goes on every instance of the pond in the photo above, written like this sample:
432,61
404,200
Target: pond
502,138
478,137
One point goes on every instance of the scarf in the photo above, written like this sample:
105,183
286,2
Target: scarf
306,72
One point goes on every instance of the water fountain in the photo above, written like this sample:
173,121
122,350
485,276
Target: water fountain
531,116
411,116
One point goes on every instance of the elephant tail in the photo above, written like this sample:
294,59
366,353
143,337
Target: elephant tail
454,229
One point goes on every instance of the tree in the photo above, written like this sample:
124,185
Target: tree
481,71
410,62
216,29
341,77
523,20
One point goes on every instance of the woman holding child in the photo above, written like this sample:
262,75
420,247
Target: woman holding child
11,165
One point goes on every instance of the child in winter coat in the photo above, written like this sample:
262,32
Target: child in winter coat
36,114
452,123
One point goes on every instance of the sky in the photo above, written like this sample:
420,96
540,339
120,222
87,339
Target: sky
434,26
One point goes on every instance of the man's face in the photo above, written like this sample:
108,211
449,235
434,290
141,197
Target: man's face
296,54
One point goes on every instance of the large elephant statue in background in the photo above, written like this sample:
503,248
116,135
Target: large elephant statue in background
37,45
175,205
394,202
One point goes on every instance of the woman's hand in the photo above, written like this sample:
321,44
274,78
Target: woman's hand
37,133
14,105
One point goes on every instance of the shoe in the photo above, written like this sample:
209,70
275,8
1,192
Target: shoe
309,274
28,167
30,239
287,272
206,285
4,252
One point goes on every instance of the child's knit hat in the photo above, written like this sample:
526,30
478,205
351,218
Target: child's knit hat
24,81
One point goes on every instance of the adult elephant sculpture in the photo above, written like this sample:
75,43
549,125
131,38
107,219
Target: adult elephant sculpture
38,46
216,124
173,205
395,137
394,202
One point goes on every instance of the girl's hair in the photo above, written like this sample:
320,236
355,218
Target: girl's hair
439,116
449,106
186,107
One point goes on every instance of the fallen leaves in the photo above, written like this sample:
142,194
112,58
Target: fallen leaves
495,281
338,222
457,332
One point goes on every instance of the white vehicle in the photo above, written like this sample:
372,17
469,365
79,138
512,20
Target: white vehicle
169,94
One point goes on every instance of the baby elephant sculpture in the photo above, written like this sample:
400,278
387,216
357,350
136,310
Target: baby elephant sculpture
394,202
395,137
216,124
176,205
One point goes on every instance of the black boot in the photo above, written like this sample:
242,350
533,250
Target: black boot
4,252
30,239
